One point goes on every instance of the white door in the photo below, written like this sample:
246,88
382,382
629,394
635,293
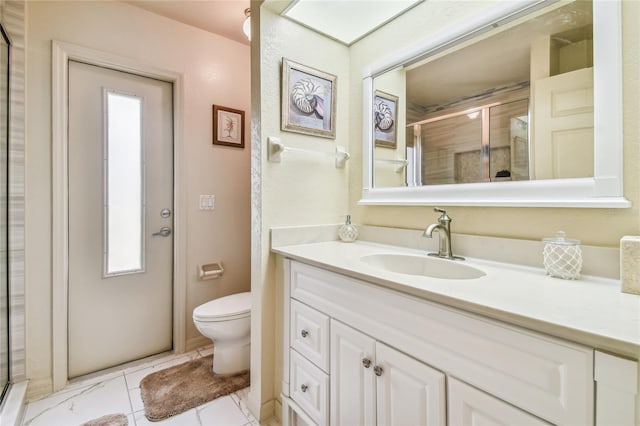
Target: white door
352,379
120,169
563,125
469,406
408,391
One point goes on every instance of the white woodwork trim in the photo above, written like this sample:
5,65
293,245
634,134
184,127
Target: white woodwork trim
607,98
309,387
315,345
618,389
286,318
367,137
604,190
466,402
62,53
400,376
352,399
292,414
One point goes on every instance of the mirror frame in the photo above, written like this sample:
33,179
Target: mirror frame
604,190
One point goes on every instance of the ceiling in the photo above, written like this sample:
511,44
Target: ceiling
222,17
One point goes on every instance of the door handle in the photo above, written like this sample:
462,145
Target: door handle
165,231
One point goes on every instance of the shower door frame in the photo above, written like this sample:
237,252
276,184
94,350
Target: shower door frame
4,388
61,54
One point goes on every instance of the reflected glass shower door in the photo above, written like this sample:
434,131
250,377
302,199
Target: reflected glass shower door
4,206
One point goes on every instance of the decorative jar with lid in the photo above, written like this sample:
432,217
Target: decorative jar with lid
562,257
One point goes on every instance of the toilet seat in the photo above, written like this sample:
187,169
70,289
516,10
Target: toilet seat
226,308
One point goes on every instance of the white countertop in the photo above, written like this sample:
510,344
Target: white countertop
591,311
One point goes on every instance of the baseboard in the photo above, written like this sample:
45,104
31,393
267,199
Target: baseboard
37,388
196,343
267,410
262,412
278,411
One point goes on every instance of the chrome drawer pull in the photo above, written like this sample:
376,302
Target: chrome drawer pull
304,333
366,362
303,387
378,370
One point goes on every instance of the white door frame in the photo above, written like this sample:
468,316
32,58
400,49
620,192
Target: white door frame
61,54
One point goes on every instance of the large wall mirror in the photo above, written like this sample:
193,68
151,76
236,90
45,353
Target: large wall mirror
521,106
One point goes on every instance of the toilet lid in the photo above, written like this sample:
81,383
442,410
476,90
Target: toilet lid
225,308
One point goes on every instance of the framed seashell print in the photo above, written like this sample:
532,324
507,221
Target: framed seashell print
385,116
308,100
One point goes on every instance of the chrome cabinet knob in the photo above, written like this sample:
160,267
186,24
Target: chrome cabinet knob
304,387
378,370
366,362
304,333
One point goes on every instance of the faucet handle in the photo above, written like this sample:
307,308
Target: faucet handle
444,218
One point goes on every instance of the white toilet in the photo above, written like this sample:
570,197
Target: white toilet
227,321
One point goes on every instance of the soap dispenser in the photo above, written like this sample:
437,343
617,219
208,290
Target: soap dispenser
347,232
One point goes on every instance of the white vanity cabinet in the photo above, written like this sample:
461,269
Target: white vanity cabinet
372,383
470,406
438,365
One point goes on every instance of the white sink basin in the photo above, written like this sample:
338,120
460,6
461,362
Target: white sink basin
422,265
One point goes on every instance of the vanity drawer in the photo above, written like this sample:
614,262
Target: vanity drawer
309,388
310,334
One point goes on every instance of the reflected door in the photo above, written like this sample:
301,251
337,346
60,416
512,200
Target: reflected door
563,118
120,217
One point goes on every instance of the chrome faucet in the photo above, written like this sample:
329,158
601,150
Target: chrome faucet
443,226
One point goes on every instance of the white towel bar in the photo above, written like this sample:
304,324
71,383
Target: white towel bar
275,149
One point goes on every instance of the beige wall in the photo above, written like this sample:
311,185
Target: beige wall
216,71
301,190
602,227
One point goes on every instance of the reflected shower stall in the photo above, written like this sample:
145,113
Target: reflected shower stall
487,143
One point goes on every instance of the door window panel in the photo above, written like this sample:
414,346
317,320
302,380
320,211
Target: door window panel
124,198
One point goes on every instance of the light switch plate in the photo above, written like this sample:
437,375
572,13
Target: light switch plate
207,202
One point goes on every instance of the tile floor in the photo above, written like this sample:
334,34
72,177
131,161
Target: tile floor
117,391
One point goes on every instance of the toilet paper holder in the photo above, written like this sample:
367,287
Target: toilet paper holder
210,271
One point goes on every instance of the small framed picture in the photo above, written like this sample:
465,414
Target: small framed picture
308,100
228,126
385,116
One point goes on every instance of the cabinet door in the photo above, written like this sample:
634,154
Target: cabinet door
408,391
469,406
352,380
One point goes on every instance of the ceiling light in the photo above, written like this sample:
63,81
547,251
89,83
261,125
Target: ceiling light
246,25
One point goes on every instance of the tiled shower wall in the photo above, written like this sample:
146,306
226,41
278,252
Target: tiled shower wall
12,16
